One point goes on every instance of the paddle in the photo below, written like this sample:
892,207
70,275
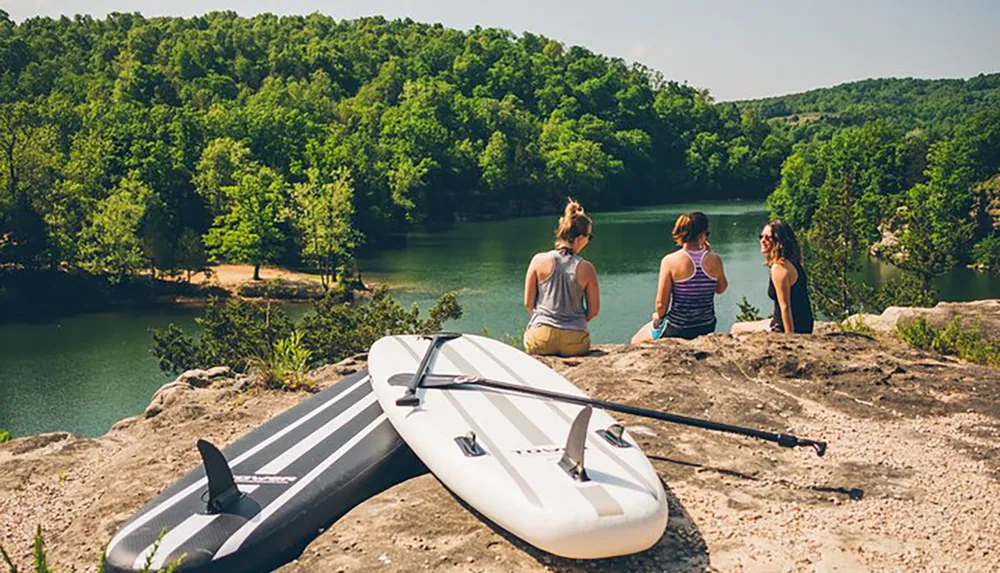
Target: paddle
410,397
461,382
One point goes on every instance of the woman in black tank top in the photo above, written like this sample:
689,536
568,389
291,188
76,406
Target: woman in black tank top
787,285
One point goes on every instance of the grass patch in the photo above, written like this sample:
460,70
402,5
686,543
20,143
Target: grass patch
953,339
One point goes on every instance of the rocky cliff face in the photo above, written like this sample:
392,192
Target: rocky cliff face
911,480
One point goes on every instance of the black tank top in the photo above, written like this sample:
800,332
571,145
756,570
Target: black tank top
802,314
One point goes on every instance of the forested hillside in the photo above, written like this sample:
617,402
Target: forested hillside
934,105
166,143
132,142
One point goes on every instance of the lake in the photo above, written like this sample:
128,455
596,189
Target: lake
83,373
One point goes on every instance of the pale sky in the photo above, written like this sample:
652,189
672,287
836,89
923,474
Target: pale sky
736,48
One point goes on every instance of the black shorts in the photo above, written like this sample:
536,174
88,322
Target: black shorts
687,333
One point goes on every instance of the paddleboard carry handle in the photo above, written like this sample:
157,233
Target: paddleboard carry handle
572,460
615,435
469,446
222,490
410,398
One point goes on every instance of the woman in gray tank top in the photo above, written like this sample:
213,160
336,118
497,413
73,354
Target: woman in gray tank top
561,292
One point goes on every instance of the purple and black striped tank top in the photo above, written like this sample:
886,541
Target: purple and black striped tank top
692,300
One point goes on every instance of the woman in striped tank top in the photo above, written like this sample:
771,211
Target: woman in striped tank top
690,277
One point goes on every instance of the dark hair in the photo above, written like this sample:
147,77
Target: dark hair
689,226
784,245
574,223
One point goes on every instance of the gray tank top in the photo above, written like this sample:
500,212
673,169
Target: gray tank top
560,301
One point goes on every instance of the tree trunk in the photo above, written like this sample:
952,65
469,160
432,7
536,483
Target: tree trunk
256,272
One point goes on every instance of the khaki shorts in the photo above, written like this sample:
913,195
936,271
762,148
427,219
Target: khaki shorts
544,339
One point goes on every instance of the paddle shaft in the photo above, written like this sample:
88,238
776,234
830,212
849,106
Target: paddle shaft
783,440
410,397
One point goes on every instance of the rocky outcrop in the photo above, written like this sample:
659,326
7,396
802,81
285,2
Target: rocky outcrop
982,315
911,481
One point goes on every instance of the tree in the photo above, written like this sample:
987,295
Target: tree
111,243
220,166
324,216
191,256
250,231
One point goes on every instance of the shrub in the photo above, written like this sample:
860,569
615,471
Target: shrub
987,252
748,312
4,436
286,366
260,336
334,330
954,339
232,333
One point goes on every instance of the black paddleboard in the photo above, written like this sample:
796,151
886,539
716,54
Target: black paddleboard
293,476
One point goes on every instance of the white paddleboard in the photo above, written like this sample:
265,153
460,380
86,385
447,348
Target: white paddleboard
513,475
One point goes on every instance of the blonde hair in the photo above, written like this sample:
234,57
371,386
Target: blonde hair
574,223
689,226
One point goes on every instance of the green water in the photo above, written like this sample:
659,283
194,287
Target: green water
486,262
83,373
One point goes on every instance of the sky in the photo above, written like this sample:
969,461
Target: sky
738,49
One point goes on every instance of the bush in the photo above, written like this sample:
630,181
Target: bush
987,252
233,333
954,339
4,436
282,289
748,312
259,336
287,364
335,330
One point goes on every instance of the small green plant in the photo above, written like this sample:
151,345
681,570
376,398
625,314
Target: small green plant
286,365
4,436
954,339
857,326
748,312
41,565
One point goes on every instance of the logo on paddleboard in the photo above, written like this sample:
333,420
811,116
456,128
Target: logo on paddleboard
261,479
539,451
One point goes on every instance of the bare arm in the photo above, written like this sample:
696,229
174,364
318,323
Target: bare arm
720,274
591,290
783,286
531,287
663,286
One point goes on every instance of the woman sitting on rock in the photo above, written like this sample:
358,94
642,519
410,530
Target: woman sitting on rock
561,291
787,285
690,277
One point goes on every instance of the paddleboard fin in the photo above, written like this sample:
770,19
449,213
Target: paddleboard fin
572,460
469,446
615,436
222,490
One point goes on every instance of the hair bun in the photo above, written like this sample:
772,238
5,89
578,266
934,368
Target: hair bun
573,210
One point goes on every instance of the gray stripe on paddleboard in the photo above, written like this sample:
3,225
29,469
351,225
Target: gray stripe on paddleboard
596,495
176,498
597,443
483,438
601,500
178,536
529,429
237,539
